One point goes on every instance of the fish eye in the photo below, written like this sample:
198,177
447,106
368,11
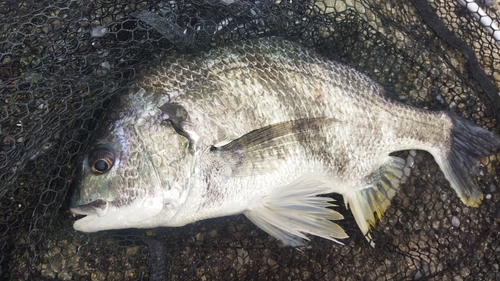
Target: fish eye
101,160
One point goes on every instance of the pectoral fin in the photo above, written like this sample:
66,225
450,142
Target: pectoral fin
264,150
295,210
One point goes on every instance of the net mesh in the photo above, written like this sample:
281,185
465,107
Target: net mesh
63,62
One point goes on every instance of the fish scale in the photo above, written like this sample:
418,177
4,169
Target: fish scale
262,127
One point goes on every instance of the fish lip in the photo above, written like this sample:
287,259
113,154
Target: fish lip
98,207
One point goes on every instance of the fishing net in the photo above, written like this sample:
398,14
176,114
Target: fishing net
63,62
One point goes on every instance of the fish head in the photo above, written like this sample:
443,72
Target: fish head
134,174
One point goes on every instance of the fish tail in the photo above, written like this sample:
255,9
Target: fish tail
296,210
460,163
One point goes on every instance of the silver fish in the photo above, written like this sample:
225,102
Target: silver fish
262,127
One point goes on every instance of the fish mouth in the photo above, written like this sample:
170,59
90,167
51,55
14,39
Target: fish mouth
99,207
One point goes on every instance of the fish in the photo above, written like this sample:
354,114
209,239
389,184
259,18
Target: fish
266,128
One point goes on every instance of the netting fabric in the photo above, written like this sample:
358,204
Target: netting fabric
62,63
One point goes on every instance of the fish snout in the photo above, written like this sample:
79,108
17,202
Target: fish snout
99,207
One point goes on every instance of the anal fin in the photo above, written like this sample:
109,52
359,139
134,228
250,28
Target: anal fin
295,210
372,201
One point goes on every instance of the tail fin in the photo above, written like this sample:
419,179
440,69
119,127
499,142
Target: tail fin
468,142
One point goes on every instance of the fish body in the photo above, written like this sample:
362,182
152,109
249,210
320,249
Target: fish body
262,127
